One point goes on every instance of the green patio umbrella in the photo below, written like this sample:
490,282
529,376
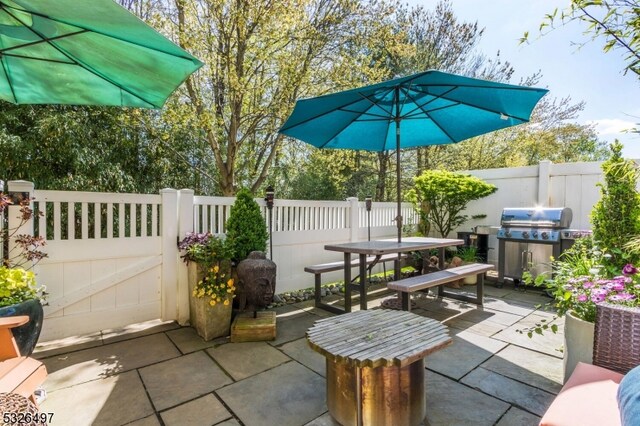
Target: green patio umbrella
85,53
433,107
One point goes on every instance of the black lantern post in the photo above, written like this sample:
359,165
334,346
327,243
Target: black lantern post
269,196
367,203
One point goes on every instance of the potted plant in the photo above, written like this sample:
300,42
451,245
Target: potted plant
469,254
19,293
211,286
579,284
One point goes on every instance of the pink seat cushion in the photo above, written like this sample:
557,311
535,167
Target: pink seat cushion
588,398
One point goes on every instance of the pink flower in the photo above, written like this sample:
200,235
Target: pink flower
629,269
582,298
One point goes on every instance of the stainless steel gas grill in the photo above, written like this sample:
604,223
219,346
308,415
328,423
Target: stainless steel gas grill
527,239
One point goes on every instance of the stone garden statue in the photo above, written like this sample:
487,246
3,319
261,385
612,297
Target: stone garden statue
256,282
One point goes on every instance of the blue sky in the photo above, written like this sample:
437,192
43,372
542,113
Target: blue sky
585,73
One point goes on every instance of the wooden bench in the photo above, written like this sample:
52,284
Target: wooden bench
18,374
421,282
322,268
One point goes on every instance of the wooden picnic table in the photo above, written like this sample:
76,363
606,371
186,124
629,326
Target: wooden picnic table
375,364
380,248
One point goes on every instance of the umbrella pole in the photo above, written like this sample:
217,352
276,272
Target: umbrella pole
398,186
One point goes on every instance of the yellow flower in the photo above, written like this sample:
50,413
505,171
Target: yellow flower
216,269
195,293
212,302
219,299
230,282
226,302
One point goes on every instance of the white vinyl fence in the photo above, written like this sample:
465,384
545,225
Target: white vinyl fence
113,258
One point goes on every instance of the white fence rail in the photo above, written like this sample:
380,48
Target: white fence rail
113,258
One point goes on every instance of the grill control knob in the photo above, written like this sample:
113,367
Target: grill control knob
534,234
507,233
525,234
544,235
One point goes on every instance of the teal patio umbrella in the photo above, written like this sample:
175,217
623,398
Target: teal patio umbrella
85,52
429,108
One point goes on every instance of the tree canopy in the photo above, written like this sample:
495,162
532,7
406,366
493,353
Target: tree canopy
219,131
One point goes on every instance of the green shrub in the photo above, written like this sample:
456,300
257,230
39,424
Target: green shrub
615,217
246,229
441,196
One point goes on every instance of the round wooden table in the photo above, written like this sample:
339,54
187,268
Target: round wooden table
375,364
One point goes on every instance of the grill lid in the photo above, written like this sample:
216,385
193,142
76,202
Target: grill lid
536,217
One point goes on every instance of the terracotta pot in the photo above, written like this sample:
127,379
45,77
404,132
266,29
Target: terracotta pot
26,335
578,343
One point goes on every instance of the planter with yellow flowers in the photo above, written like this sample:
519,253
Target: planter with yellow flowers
211,285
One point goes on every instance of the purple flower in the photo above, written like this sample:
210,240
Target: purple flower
596,298
582,298
617,286
629,269
587,285
622,297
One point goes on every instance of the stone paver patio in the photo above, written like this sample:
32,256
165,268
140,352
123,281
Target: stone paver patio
164,374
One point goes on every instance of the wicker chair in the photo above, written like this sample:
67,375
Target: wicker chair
616,344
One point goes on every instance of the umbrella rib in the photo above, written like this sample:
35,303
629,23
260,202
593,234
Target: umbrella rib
57,61
376,104
476,106
76,62
282,129
421,107
433,120
42,40
337,133
42,15
364,113
6,73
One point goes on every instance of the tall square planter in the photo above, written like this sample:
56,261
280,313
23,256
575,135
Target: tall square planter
209,321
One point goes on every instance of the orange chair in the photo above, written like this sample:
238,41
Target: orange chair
18,374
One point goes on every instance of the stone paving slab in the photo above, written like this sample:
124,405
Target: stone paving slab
548,343
509,306
66,345
203,411
301,352
453,404
323,420
531,297
486,328
492,290
187,340
534,368
147,421
137,330
241,360
106,360
467,352
264,399
292,327
114,400
178,380
518,417
230,422
531,399
483,314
